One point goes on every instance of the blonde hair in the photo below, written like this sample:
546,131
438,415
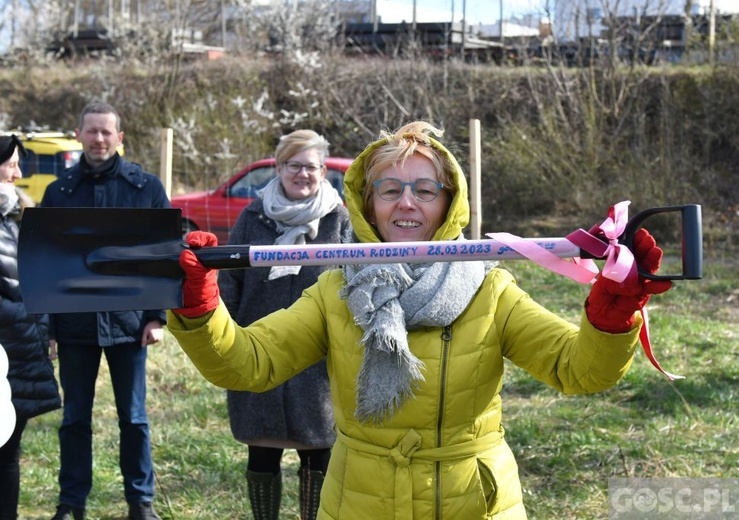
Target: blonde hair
299,141
408,140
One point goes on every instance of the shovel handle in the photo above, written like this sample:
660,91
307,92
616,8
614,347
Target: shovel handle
692,240
241,256
224,257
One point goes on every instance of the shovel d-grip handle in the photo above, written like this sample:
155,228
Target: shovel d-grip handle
692,240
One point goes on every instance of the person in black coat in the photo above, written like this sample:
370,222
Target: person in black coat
23,336
298,206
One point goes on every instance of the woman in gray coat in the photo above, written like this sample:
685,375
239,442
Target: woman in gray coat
298,206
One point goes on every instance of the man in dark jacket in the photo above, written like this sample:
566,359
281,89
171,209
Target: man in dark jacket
103,179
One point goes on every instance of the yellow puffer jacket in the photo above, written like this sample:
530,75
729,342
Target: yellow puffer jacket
442,455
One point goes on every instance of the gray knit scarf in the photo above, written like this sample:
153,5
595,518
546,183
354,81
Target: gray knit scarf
389,300
296,218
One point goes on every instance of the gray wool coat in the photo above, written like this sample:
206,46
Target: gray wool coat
296,414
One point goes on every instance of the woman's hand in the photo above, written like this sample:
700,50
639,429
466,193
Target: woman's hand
611,305
200,287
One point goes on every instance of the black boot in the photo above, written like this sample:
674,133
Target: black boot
142,511
310,493
65,512
265,494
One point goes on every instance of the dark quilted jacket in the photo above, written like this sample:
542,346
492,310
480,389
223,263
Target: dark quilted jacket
24,336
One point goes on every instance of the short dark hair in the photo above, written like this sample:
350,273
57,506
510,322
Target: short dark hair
100,107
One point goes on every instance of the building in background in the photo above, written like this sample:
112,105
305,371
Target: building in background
576,19
156,27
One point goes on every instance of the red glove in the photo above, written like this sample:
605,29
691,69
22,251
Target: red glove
200,287
610,306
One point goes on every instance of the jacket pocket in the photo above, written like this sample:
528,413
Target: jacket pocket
488,486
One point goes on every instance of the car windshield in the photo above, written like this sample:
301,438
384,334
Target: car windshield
248,185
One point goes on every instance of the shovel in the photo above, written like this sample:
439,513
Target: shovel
113,259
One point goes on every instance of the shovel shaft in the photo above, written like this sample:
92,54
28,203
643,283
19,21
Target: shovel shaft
238,257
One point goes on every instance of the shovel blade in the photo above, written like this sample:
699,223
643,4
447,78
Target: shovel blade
54,274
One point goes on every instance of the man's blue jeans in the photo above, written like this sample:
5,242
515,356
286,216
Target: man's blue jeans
78,371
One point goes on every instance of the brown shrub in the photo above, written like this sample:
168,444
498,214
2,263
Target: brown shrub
558,145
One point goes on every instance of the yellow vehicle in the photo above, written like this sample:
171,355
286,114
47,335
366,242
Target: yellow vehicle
49,154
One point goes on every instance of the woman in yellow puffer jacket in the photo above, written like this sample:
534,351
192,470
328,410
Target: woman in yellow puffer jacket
415,352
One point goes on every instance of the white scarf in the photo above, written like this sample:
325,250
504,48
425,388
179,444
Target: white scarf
296,218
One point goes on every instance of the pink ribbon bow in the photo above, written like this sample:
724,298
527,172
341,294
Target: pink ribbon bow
601,241
620,263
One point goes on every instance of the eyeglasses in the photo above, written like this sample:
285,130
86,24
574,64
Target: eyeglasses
294,167
391,189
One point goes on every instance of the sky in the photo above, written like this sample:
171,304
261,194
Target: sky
477,11
488,11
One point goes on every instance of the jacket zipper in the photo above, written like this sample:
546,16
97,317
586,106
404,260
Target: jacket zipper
446,337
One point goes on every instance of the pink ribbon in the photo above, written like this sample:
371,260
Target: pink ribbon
578,272
601,241
647,346
620,263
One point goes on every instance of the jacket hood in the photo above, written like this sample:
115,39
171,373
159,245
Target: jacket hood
354,184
